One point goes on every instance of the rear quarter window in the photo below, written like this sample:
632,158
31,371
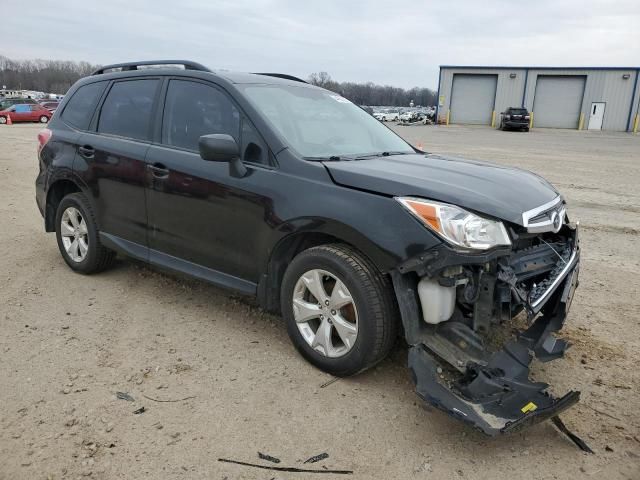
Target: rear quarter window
80,107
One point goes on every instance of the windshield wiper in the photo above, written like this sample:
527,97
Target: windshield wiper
381,154
332,158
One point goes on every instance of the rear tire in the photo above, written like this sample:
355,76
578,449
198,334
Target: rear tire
75,222
372,299
44,119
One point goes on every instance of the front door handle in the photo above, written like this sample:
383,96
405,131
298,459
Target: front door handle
158,170
86,151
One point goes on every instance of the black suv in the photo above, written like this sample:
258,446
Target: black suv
515,118
274,188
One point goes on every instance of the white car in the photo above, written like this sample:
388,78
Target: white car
389,116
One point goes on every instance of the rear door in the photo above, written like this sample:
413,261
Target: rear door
198,213
111,158
35,112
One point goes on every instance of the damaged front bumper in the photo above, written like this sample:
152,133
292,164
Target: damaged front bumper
475,365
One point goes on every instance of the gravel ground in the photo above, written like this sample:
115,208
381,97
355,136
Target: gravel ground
219,379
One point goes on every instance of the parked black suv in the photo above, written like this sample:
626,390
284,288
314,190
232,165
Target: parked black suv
515,118
271,187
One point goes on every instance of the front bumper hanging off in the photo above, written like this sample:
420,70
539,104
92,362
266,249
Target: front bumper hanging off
492,392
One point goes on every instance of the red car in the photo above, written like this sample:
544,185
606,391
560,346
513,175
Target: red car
51,106
23,112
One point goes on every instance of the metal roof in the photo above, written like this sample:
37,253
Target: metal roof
535,67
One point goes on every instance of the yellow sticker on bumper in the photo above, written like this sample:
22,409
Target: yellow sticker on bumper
529,407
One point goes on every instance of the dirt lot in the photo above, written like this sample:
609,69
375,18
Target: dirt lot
237,387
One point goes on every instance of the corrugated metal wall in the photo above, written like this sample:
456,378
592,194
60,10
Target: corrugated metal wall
473,98
602,85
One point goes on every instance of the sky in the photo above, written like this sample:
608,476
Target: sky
388,42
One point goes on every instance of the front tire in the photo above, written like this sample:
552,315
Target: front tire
77,236
3,120
339,309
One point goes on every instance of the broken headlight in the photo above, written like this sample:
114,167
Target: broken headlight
456,225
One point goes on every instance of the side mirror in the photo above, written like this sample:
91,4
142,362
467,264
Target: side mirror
218,148
222,148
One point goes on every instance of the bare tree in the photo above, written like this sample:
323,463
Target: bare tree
372,94
52,76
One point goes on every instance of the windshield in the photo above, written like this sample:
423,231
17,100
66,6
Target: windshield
319,124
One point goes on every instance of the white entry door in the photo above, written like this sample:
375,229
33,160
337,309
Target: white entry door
596,116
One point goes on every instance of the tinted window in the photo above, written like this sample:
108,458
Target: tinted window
80,107
126,111
253,148
194,109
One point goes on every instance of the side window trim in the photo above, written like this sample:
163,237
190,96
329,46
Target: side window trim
93,123
98,111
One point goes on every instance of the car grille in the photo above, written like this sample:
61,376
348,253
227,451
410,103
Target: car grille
546,218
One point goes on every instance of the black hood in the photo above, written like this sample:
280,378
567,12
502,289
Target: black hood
501,192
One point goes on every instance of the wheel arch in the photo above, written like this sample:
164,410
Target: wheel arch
291,245
57,190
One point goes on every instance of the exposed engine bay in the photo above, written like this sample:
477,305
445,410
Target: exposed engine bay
475,321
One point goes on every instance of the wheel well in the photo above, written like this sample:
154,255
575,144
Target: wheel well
56,193
285,251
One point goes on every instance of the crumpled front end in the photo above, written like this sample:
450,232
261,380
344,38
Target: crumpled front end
475,321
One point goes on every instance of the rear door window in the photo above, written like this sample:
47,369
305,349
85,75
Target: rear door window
193,109
127,110
79,109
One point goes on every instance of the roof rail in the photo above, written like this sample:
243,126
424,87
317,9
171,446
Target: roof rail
188,65
282,75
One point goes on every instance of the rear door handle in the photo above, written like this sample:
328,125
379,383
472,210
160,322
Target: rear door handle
87,151
158,170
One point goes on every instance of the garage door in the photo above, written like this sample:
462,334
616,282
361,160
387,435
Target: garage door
473,98
558,101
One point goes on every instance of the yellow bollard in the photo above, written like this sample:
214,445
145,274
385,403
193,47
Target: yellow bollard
635,124
493,119
531,120
448,112
581,122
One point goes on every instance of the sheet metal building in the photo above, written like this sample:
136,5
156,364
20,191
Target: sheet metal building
594,98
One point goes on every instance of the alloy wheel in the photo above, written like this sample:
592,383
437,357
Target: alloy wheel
325,313
74,233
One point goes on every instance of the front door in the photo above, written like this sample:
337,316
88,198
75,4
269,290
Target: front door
596,115
21,113
200,218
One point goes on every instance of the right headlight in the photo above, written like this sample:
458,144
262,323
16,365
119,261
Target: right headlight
456,225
